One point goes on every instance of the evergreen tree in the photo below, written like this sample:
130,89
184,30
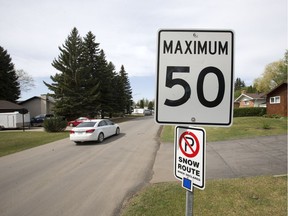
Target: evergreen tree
113,102
10,88
142,103
68,85
151,105
239,84
91,76
105,74
126,90
86,83
118,94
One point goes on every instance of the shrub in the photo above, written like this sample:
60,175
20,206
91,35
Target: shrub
266,125
276,116
55,124
251,111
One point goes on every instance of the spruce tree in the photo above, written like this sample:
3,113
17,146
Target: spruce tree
105,73
86,83
10,88
91,74
126,90
68,85
118,94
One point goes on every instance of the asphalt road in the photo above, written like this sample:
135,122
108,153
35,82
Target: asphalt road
62,178
264,155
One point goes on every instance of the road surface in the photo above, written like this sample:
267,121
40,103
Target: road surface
62,178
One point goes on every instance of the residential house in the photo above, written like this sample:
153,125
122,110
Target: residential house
39,105
277,100
250,100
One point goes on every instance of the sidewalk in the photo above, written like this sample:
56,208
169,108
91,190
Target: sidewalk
231,159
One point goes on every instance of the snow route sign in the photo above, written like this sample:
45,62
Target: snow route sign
189,155
195,77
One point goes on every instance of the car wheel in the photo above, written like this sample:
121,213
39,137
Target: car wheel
117,131
100,137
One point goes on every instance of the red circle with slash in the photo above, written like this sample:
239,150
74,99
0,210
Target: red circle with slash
184,139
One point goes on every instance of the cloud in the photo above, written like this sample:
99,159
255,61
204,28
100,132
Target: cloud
32,30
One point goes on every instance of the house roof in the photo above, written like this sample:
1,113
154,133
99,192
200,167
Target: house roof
50,99
251,96
24,101
7,106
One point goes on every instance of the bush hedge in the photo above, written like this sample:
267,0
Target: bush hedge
251,111
55,124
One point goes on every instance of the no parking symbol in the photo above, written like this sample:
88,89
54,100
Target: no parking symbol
189,144
190,155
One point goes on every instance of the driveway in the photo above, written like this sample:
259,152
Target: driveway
231,159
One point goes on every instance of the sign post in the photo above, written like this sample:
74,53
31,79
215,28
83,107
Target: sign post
189,203
195,86
189,161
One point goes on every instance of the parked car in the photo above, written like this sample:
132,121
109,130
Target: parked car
39,119
77,121
94,130
147,112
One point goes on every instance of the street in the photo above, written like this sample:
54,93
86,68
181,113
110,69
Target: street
62,178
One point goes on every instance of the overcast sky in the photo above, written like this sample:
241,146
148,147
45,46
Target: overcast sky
32,31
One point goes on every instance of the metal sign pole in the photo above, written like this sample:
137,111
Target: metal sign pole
189,202
23,125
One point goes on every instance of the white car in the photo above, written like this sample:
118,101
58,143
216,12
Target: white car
94,130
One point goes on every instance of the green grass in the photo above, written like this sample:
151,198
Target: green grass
233,197
15,141
243,196
243,127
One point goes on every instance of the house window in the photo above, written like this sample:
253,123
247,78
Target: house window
275,100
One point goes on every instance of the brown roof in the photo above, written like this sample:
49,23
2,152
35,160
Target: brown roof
7,106
255,95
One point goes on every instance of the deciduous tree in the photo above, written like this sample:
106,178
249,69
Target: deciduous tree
275,73
26,82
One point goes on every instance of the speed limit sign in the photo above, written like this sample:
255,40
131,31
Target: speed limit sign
195,77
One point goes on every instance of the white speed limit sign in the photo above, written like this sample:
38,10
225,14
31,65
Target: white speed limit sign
195,77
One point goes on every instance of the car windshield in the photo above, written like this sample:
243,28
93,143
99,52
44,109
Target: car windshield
86,124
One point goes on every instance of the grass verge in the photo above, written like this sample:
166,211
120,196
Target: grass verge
12,141
15,141
243,127
263,195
